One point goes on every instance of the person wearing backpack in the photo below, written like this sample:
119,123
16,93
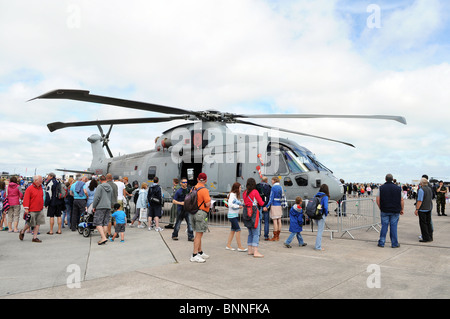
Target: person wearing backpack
178,201
53,203
324,193
155,200
199,220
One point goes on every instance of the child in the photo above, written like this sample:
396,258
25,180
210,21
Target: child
296,222
234,204
121,219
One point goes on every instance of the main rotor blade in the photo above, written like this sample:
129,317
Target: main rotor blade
75,171
293,132
400,119
82,95
59,125
99,128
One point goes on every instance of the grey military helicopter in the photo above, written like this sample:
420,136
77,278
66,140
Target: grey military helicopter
206,144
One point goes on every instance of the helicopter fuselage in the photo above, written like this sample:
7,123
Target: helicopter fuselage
226,157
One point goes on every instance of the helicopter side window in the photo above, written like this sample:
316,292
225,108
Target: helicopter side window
239,170
151,172
301,180
288,181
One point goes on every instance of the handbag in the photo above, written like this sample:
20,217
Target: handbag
27,217
6,202
143,215
5,205
248,217
284,203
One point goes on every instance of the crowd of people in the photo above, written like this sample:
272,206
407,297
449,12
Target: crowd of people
105,197
359,189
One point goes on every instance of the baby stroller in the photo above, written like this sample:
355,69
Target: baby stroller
87,223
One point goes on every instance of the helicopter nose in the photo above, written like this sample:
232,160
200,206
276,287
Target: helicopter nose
335,187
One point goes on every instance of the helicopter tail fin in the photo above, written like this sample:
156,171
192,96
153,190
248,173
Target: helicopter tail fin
98,155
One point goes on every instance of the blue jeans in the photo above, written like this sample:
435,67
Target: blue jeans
320,227
291,237
180,216
67,212
253,235
266,218
389,220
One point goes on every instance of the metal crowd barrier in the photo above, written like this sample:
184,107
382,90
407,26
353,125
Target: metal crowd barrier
358,214
343,217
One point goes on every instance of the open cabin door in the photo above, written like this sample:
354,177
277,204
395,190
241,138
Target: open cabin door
190,171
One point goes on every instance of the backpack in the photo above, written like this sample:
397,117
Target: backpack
136,196
264,192
190,201
314,208
152,195
61,191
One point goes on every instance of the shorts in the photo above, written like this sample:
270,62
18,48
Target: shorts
13,213
155,211
235,224
53,211
102,216
37,218
119,228
199,221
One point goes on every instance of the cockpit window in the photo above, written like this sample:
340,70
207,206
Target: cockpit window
298,160
296,164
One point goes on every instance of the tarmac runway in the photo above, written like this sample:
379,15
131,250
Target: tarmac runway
151,265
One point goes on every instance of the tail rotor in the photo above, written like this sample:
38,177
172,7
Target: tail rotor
105,139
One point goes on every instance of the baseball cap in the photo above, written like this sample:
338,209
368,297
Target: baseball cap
202,176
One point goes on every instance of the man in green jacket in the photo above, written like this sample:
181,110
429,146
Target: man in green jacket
440,199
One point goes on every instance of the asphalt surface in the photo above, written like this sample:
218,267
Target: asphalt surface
151,265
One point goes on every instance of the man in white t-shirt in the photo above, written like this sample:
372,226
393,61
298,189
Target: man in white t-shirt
120,189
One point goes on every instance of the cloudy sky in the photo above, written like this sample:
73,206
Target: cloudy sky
242,56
